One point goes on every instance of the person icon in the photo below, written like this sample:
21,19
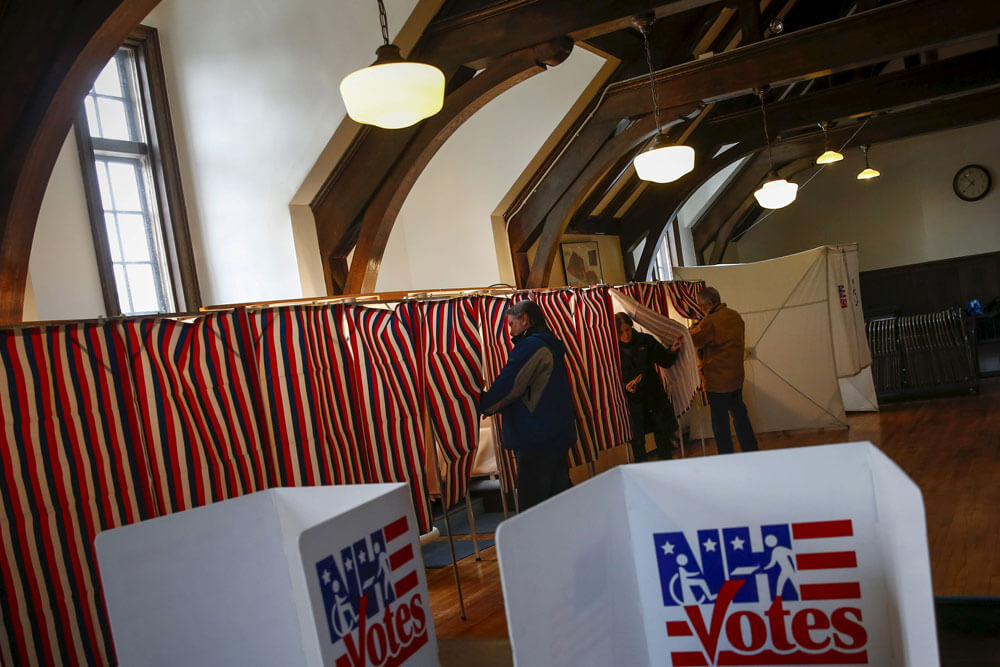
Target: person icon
689,582
783,559
342,617
382,579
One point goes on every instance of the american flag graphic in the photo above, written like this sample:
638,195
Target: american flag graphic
761,579
362,583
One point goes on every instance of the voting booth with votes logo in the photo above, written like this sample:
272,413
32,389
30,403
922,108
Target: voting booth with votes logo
327,575
806,556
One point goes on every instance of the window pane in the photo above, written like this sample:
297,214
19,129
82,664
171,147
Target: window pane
92,125
102,182
122,287
109,221
108,82
125,185
143,288
135,237
114,124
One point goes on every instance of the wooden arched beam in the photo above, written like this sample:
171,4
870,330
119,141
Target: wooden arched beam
54,51
743,200
459,106
554,223
661,206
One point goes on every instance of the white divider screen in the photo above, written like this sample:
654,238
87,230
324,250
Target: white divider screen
806,556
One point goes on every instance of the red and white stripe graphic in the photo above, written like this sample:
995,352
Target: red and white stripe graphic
841,564
401,557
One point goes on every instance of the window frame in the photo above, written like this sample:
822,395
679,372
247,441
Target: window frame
166,194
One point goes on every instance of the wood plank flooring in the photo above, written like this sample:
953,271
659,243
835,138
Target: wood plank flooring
949,446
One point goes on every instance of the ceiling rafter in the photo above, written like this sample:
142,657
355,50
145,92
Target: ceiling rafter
840,45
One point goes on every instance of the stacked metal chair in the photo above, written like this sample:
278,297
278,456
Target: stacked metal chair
922,354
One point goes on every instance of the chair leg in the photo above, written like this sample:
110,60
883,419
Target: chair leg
472,525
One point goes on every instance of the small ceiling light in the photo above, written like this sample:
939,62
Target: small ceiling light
867,173
392,93
663,161
828,156
775,192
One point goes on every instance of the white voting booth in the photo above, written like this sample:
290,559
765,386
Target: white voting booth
292,576
806,556
807,352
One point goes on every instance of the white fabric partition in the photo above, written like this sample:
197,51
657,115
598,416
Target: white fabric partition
804,330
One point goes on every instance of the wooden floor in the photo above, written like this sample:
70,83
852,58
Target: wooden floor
949,446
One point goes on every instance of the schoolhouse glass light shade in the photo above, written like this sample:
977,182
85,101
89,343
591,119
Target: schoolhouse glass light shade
664,162
829,157
868,173
776,193
393,93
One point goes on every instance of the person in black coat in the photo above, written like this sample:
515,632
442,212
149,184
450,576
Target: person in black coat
533,396
649,406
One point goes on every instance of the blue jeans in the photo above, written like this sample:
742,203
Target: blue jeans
722,405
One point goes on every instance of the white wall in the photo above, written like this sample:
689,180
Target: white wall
443,236
908,215
254,93
63,263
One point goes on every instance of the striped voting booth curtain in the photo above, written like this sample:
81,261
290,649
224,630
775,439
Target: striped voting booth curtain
384,372
683,295
449,351
496,349
71,466
596,331
560,314
197,407
302,365
652,295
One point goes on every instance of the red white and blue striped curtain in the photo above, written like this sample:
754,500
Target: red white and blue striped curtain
197,407
71,466
302,363
388,403
560,315
596,330
683,295
652,295
449,350
496,350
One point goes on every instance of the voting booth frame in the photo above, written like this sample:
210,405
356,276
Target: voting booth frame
807,353
807,556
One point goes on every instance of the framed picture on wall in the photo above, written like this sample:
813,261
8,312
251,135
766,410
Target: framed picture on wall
582,263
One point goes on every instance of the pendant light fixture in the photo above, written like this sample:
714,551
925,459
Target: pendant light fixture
775,192
828,156
663,161
867,173
392,93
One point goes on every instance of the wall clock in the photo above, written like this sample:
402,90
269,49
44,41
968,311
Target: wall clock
972,182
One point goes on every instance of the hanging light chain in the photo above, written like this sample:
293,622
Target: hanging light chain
384,21
767,135
652,84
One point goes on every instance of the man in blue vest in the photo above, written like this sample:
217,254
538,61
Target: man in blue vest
532,395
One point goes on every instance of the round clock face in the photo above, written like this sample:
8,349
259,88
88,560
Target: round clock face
972,182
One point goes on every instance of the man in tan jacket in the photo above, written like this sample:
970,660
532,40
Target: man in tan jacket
720,341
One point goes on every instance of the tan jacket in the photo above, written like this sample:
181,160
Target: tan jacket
719,339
